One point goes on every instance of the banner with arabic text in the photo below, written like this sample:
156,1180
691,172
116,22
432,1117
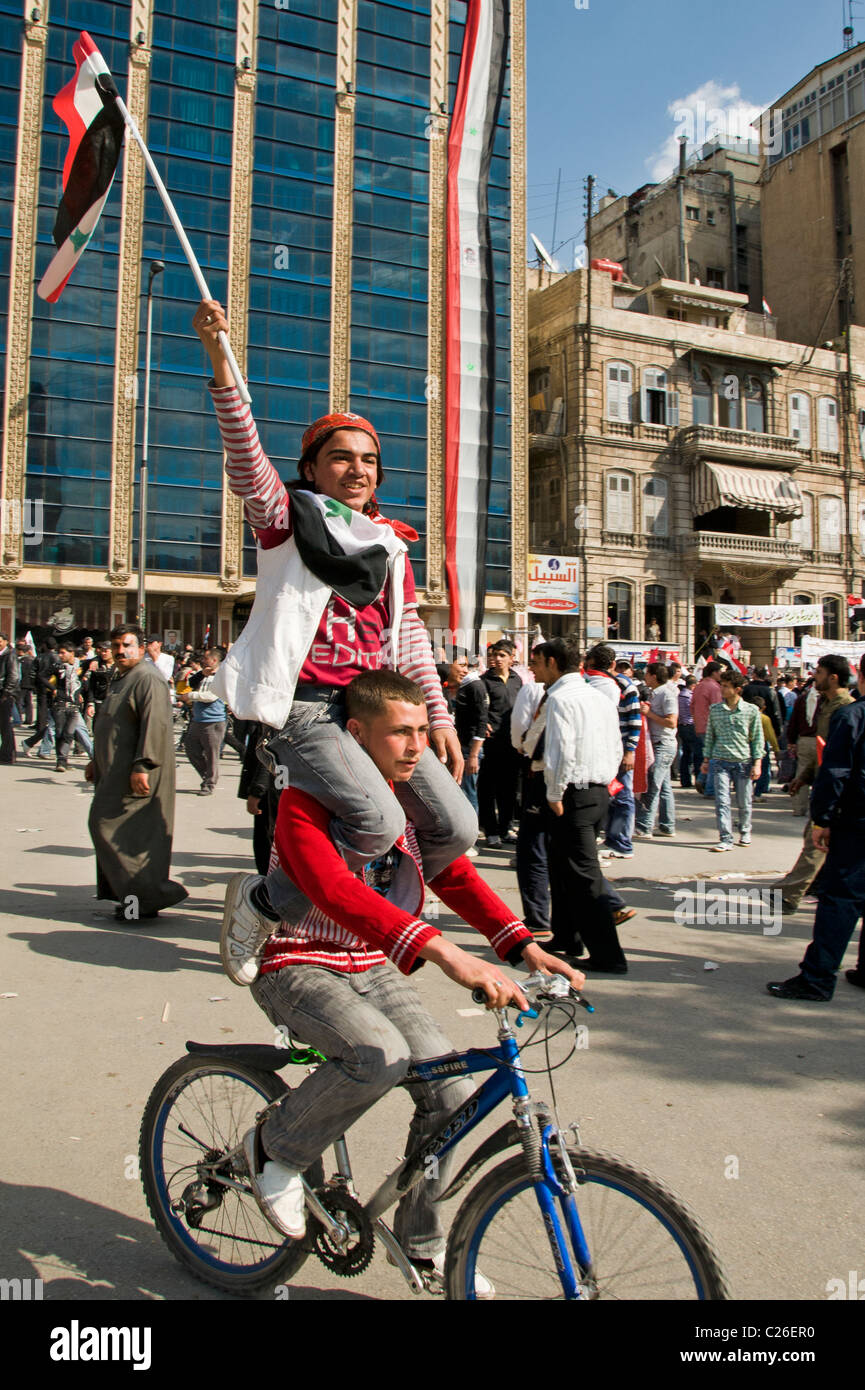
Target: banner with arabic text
815,647
768,615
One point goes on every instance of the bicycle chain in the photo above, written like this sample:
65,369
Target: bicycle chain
353,1258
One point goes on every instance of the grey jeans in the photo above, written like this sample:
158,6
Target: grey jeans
370,1026
321,758
203,742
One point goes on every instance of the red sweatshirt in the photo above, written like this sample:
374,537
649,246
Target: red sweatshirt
350,926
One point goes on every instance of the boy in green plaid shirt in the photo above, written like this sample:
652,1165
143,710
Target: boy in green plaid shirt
734,741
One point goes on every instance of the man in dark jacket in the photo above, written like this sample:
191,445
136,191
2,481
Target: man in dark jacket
26,660
96,680
45,670
802,741
469,703
762,685
10,681
838,817
831,680
497,782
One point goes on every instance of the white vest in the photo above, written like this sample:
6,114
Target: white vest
257,680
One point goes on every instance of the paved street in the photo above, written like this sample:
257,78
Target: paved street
692,1073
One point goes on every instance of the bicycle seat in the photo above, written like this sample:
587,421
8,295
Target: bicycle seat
257,1055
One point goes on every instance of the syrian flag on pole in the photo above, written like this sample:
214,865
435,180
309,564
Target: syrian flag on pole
87,108
766,309
471,309
729,651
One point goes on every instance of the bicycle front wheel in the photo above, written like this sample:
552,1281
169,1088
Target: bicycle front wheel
191,1136
644,1242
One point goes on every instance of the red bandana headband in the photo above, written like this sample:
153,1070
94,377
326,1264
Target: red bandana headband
329,423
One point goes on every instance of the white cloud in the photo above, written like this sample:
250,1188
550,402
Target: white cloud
704,114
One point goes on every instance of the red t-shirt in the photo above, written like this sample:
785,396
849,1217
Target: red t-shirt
348,640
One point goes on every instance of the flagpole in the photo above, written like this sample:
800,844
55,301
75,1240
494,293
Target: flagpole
108,83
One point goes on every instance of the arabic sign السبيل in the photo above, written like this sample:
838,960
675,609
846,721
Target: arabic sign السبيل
554,584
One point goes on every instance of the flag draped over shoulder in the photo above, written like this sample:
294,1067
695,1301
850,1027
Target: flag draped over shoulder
471,309
87,108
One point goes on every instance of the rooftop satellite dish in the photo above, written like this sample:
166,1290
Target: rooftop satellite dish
544,254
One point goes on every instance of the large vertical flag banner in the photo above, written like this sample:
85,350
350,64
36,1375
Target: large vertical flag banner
471,309
88,109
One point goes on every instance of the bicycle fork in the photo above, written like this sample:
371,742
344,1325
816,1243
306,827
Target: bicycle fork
548,1186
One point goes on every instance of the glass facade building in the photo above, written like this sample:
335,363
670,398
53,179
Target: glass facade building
297,142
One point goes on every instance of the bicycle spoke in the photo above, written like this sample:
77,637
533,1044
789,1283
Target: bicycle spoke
643,1244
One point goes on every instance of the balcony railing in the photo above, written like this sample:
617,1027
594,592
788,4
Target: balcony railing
746,446
758,550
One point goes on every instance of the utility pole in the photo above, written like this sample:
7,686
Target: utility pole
156,268
555,216
584,417
590,198
848,409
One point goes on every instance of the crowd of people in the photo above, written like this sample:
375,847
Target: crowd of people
370,773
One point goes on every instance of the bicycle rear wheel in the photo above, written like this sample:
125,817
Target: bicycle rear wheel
191,1132
644,1242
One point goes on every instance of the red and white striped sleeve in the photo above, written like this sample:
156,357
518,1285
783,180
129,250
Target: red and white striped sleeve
415,660
251,475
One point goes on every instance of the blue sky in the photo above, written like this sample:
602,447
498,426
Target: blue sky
602,80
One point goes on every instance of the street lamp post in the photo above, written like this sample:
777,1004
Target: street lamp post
156,268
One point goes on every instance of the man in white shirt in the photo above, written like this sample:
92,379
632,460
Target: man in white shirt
582,752
161,660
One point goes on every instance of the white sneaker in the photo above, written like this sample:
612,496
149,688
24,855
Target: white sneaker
434,1279
721,848
244,931
472,852
278,1191
744,840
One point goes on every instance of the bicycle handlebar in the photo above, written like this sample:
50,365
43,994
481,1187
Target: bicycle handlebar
541,988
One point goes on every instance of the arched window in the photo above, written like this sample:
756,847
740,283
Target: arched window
620,503
620,386
755,405
802,527
830,525
701,399
655,510
659,405
827,424
831,617
728,402
800,418
800,632
655,613
619,611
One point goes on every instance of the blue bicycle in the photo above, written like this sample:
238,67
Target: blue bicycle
552,1221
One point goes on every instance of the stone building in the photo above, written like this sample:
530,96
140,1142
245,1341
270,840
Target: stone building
688,460
700,225
813,202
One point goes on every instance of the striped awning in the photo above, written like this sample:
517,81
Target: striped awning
762,490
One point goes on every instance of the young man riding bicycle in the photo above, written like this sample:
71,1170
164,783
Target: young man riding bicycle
327,978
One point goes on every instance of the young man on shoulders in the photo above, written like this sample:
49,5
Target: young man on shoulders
334,596
329,976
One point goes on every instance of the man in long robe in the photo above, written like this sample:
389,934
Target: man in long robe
132,816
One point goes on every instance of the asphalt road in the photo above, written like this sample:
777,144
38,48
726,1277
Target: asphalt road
748,1106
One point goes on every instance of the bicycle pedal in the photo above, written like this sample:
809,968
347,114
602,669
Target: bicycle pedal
432,1281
